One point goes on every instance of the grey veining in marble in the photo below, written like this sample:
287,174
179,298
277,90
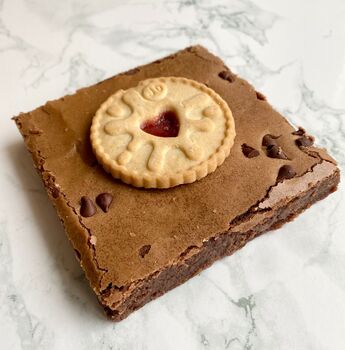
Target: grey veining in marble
284,290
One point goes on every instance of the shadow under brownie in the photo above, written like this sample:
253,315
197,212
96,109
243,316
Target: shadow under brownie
150,241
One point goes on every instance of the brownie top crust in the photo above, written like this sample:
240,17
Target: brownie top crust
143,231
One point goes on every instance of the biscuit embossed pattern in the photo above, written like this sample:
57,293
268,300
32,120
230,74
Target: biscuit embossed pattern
163,132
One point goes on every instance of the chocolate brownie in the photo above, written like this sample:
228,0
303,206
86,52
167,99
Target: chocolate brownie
135,244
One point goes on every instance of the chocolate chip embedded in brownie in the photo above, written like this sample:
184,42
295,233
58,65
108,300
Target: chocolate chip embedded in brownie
136,244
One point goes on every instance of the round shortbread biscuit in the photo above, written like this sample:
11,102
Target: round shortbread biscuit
163,132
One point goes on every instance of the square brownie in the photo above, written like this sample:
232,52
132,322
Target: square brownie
150,241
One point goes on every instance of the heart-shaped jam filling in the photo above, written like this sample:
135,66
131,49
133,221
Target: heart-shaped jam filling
165,125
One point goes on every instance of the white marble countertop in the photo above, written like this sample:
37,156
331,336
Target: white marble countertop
284,290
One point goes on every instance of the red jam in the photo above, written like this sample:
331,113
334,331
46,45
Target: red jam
165,125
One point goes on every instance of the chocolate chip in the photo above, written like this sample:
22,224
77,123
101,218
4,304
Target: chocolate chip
144,250
274,151
227,75
87,207
269,140
249,152
299,132
305,141
260,96
104,200
286,172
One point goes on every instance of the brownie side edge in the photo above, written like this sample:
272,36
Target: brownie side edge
119,303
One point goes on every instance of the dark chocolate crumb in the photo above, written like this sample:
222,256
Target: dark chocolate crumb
144,250
269,140
249,151
305,141
104,200
299,132
87,207
227,75
55,192
260,96
274,151
286,172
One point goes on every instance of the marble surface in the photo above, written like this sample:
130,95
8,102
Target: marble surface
284,290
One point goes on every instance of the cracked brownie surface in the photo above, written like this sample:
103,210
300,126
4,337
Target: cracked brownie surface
149,241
